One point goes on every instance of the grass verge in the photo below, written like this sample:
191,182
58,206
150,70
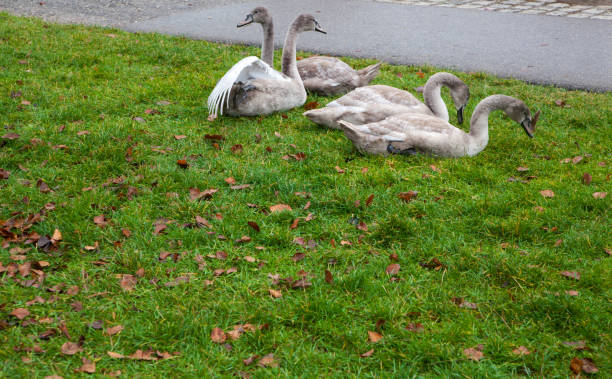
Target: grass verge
95,122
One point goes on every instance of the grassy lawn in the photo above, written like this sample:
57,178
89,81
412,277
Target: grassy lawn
99,229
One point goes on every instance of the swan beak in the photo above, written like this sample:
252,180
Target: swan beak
460,115
247,20
529,124
319,29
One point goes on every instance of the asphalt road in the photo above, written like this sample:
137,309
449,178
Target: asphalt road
566,52
560,51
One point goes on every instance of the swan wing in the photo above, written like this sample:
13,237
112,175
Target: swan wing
246,69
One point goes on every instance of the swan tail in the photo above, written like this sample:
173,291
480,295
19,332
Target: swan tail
367,74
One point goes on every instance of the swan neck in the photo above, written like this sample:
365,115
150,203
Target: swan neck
267,50
289,64
479,124
433,99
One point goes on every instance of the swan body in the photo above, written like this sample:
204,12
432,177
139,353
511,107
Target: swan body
330,76
380,101
413,133
322,75
252,87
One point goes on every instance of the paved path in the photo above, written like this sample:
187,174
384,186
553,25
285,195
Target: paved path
569,52
541,7
565,51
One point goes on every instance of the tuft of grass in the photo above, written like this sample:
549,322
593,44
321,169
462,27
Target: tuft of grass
497,239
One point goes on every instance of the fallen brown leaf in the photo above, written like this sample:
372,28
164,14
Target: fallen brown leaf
254,225
367,353
114,330
100,220
600,195
196,194
280,208
374,336
415,327
577,345
571,274
71,348
547,193
408,196
128,282
20,313
311,105
392,269
4,174
585,365
249,361
236,149
302,283
474,353
88,366
328,277
587,178
294,224
461,303
10,136
218,335
275,293
521,350
267,361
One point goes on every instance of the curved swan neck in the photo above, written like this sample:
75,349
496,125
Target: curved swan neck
432,89
267,50
479,124
289,64
433,99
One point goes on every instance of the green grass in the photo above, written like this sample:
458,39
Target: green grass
498,249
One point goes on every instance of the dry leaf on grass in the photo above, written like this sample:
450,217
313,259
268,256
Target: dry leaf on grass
547,193
521,350
275,293
267,361
474,353
71,348
374,336
392,269
367,353
280,208
218,335
585,365
88,366
114,330
571,274
600,195
20,313
328,277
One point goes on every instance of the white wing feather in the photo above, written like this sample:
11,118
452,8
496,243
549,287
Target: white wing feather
246,69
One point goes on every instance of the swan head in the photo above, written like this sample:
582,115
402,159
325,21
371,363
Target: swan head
520,113
306,23
258,15
460,93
